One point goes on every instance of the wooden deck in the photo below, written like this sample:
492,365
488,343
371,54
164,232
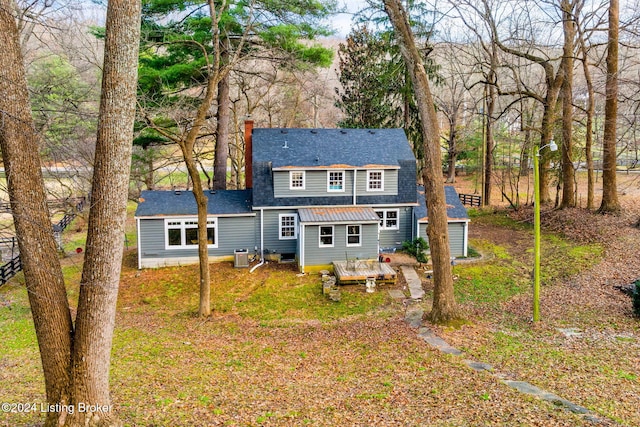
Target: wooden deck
357,271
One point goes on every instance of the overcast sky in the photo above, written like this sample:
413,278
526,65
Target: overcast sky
342,21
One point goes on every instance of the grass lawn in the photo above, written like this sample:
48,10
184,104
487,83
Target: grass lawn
276,352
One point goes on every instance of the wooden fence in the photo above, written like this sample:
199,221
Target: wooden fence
5,207
11,268
470,200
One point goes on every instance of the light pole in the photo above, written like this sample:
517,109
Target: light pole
536,227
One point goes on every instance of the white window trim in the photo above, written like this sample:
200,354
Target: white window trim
381,180
182,226
333,236
384,219
295,226
344,179
304,180
359,235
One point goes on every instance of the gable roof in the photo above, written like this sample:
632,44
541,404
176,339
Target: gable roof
455,208
169,203
331,148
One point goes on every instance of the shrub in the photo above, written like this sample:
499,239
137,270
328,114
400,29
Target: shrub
417,248
636,299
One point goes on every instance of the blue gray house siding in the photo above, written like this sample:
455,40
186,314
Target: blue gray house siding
393,238
250,219
316,256
458,221
316,184
272,242
457,235
233,233
276,151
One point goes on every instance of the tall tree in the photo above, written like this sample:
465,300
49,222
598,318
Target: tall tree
75,357
568,10
590,107
444,305
183,65
222,124
510,41
376,89
610,202
172,68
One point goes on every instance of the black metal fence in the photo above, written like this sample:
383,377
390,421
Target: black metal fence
10,269
470,200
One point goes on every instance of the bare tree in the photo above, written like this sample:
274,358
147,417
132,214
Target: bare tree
568,8
75,357
444,305
452,96
610,202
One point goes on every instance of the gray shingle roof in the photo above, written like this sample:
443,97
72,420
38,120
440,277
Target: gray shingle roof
167,203
330,147
455,208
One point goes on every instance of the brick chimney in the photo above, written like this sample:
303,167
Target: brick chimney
248,154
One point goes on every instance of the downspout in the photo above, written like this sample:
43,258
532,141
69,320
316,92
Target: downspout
261,263
301,242
465,238
139,244
355,174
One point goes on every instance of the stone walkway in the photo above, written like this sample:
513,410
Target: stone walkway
413,316
413,282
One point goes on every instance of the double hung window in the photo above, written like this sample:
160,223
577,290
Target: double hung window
326,236
354,236
296,180
288,226
335,181
388,219
375,181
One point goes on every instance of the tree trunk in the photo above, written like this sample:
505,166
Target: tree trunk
452,151
488,153
25,185
444,305
548,118
101,273
203,250
610,201
568,172
590,111
222,127
149,178
75,362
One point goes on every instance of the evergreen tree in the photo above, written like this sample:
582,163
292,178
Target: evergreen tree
376,88
182,65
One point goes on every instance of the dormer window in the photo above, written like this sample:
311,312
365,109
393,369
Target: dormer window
296,180
335,181
375,180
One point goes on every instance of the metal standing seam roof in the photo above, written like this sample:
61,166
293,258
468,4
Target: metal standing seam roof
340,214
